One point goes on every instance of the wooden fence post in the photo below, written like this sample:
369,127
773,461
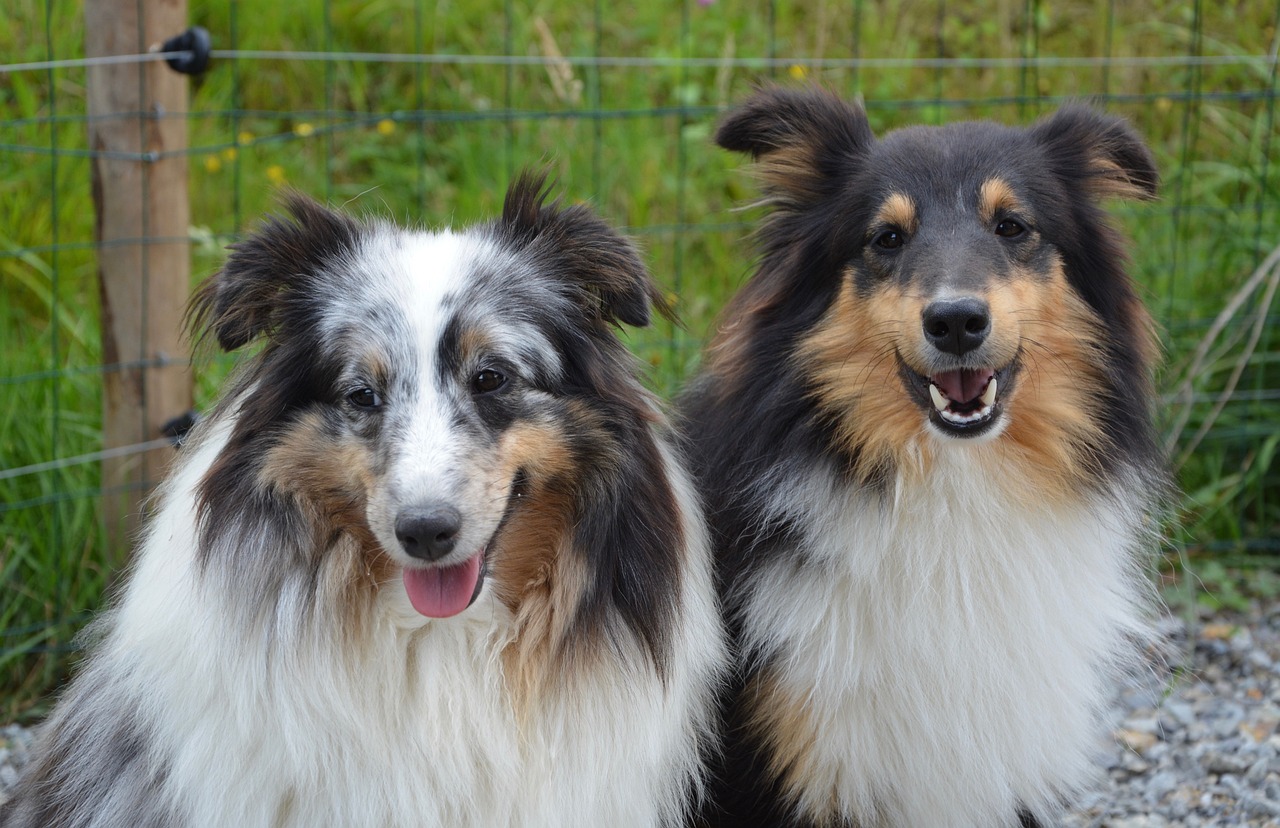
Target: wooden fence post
138,130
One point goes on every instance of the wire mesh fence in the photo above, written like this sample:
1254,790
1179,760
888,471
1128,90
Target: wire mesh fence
423,111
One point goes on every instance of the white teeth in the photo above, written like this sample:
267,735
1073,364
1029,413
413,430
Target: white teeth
940,400
989,396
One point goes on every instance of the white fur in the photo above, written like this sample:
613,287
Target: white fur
281,710
954,641
409,725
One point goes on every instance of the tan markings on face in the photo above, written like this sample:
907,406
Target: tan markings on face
472,341
329,476
533,572
1054,434
898,210
852,357
377,368
995,196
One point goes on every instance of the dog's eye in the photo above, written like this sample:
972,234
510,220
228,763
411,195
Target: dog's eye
365,398
889,239
486,380
1010,229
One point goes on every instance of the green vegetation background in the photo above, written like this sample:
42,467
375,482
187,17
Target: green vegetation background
436,144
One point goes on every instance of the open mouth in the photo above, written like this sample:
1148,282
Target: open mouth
966,396
962,402
445,591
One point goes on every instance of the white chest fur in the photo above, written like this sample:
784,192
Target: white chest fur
406,723
951,643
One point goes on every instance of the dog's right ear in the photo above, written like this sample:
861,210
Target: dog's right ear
804,140
243,300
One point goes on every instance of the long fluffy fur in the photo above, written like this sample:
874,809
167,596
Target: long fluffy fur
264,665
928,617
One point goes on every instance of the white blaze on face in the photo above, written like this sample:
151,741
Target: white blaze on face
404,293
409,292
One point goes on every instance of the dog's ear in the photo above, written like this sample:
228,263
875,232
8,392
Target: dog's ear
601,267
242,301
1100,153
804,140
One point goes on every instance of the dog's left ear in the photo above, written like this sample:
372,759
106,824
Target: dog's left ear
1101,153
602,267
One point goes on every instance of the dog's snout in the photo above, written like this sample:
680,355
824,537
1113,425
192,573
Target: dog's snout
957,326
428,533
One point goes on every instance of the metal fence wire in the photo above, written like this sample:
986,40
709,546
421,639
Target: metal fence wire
422,111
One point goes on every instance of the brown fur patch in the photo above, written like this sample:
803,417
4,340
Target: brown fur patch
1146,338
995,196
726,354
329,477
1053,433
1110,180
792,170
532,571
783,722
898,210
850,356
472,340
1052,438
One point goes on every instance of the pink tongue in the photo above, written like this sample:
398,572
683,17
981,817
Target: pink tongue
963,385
443,591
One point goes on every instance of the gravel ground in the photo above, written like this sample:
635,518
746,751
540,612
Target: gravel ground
1200,749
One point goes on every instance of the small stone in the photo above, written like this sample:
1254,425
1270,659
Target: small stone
1160,785
1259,730
1141,821
1259,659
1132,765
1217,762
1218,632
1143,724
1260,807
1181,712
1136,740
1228,722
1157,752
1177,809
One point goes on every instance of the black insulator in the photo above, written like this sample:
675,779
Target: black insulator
198,46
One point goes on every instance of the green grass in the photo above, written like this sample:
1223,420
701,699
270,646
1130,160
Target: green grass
436,144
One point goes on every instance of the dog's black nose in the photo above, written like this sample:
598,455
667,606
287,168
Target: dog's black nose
957,326
428,533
